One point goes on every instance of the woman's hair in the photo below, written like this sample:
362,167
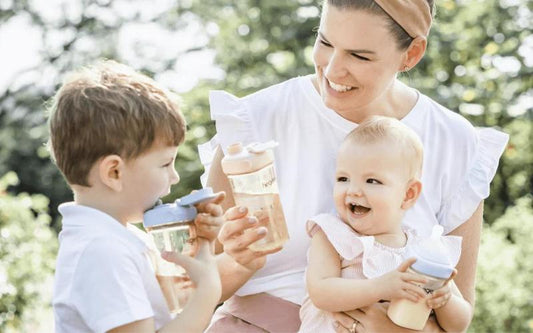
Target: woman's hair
403,40
107,109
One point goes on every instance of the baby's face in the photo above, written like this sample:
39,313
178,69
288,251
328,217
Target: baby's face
371,181
149,177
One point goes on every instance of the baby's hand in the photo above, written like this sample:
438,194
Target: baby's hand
441,296
401,284
210,217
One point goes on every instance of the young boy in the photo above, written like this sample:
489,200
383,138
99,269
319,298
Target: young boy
114,134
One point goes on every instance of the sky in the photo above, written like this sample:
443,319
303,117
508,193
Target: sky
21,42
146,43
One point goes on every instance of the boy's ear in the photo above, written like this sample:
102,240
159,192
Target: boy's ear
411,194
110,171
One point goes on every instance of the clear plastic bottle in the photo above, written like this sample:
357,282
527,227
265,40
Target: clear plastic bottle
172,228
433,263
252,176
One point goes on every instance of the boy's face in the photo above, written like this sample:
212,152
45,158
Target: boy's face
371,181
149,177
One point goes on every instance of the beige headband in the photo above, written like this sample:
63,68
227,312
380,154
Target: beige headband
414,16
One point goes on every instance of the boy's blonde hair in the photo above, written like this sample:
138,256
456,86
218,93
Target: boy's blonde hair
107,109
379,129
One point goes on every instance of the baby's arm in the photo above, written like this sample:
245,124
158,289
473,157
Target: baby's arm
330,292
452,311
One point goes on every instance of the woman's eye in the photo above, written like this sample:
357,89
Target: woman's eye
373,181
355,55
342,179
323,42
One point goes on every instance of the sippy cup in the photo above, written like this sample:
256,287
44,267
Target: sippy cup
252,176
432,262
172,228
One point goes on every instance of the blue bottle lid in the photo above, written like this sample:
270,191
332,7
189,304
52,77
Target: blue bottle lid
196,197
432,257
180,211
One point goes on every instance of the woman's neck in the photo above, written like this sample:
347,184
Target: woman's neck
396,102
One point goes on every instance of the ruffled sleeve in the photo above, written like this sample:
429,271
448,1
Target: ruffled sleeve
346,242
232,122
476,185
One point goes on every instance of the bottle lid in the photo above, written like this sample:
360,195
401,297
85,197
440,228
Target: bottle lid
180,211
432,256
196,197
168,213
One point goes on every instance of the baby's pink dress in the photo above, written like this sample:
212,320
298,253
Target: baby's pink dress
361,258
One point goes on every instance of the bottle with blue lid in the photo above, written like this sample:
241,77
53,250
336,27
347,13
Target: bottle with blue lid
433,262
172,228
172,225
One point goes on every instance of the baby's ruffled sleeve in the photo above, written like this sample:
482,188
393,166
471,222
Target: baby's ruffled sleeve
476,185
233,124
346,242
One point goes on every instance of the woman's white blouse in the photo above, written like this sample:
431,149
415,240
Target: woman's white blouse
459,163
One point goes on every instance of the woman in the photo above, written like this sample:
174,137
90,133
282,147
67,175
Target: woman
361,47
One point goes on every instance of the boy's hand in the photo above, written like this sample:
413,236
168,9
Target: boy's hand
210,217
441,296
401,284
238,232
202,269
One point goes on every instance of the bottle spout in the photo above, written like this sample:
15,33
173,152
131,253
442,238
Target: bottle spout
437,232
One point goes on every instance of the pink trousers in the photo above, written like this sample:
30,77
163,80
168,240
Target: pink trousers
257,313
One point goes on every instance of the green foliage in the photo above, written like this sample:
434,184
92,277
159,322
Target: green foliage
27,252
504,296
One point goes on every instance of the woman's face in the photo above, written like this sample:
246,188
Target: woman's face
356,61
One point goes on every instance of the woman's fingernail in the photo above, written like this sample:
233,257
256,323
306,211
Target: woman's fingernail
261,231
252,220
242,209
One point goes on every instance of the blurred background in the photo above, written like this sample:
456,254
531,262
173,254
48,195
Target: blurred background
479,63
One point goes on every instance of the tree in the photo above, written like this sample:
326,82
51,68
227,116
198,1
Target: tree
27,253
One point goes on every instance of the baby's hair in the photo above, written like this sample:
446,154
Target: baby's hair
379,129
107,109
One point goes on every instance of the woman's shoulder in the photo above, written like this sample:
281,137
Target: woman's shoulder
287,89
443,123
445,118
283,95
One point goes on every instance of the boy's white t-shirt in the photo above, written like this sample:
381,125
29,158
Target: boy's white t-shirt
104,278
459,163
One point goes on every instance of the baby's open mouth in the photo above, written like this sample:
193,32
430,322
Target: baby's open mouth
358,209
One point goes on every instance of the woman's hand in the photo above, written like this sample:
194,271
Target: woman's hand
238,232
374,319
210,217
441,296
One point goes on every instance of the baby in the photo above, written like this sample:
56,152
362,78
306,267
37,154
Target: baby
357,257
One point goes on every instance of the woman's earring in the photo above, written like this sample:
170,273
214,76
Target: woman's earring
405,68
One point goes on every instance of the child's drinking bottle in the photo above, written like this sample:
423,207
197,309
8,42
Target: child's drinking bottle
433,263
252,176
172,229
